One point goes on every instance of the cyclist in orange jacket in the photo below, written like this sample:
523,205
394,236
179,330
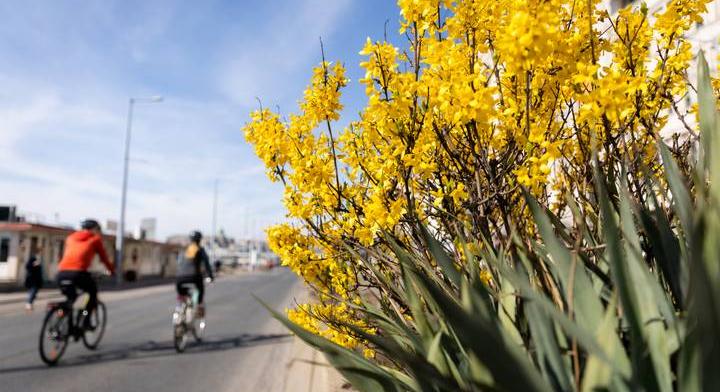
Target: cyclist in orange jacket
80,250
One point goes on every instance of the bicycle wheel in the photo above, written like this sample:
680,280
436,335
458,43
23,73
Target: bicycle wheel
54,336
180,337
96,327
198,330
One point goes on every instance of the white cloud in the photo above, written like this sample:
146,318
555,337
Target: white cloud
16,121
259,65
62,132
179,147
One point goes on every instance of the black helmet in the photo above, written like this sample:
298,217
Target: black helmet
89,224
195,236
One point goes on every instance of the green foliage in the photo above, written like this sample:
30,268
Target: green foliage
628,300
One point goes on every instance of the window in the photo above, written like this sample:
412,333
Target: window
4,249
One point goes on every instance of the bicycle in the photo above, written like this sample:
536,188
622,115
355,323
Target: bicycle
62,322
186,320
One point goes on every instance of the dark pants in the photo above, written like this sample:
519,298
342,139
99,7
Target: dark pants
69,281
181,285
32,293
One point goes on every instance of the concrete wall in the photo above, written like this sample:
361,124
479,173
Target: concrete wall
8,268
147,258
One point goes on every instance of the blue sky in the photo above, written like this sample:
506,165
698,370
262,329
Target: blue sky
67,69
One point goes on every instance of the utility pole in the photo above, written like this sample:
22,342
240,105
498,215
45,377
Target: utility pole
120,235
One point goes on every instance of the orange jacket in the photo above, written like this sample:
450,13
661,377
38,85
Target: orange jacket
80,249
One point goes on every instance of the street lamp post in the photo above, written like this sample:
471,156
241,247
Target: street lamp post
120,234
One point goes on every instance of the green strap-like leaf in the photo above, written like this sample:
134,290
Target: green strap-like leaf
586,302
642,373
666,246
362,374
681,197
510,369
646,299
441,257
548,347
701,352
571,328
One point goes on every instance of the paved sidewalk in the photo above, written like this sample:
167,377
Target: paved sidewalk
52,293
20,297
15,301
307,370
107,285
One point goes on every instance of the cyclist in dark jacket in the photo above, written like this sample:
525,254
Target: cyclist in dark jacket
190,269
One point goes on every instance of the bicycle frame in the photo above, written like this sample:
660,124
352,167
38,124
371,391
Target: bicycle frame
193,295
74,313
185,318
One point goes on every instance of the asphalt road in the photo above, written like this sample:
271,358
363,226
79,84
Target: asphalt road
244,348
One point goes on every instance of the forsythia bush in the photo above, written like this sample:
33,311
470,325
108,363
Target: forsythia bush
486,100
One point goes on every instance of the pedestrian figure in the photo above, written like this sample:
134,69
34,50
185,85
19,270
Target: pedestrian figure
33,277
218,266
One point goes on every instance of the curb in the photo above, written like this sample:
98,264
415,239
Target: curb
51,292
21,297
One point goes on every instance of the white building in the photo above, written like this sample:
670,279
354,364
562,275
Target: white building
18,240
147,229
703,36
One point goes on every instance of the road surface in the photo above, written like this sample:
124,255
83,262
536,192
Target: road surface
244,348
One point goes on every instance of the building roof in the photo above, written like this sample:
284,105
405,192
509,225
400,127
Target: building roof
130,240
39,227
26,226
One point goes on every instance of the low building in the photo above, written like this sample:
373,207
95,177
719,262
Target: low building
142,258
246,253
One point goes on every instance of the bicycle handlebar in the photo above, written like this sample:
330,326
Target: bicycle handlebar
99,276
